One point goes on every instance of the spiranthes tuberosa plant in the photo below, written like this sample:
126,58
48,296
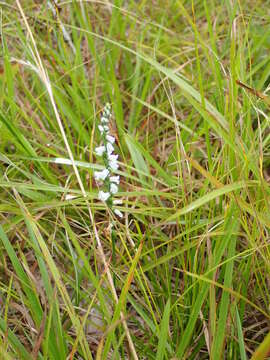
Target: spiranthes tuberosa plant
107,177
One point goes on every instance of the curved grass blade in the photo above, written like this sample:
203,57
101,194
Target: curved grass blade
263,350
226,189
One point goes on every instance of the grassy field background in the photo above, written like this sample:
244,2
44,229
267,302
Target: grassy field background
188,82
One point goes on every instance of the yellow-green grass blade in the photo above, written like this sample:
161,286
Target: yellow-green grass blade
15,343
226,189
163,332
230,226
262,352
27,286
217,350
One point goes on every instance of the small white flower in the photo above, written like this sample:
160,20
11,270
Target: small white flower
118,213
115,179
113,188
103,196
112,157
110,149
103,128
101,175
113,165
100,150
107,110
110,138
104,119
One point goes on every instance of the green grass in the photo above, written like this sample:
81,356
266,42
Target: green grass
190,279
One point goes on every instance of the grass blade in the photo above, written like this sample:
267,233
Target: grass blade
163,334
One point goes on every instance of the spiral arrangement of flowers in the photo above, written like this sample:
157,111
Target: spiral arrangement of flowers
107,177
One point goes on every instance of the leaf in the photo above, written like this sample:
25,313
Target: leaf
230,226
164,328
14,341
220,335
263,350
226,189
137,158
240,337
34,304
